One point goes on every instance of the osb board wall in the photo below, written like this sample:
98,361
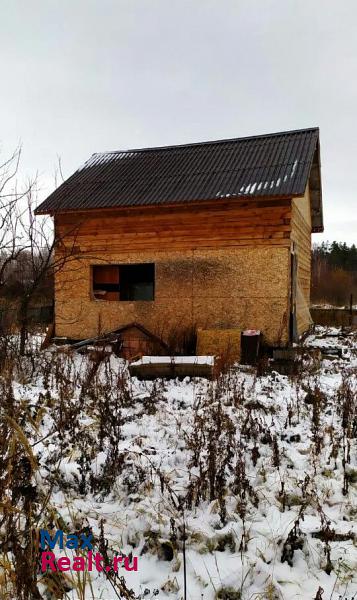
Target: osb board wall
301,235
219,342
227,287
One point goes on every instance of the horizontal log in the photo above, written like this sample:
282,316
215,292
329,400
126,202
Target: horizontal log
237,231
100,227
111,248
193,207
188,220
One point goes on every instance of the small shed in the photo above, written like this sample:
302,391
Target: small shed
136,340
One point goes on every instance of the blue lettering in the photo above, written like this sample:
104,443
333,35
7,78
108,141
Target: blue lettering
45,538
86,541
72,542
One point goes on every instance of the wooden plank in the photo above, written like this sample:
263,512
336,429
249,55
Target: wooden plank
120,227
204,233
185,219
278,225
212,205
109,249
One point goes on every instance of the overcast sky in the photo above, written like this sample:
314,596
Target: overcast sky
81,76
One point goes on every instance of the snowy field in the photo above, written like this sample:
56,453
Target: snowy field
248,484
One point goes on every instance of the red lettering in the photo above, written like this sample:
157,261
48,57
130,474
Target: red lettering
48,562
64,563
79,563
98,559
116,560
127,564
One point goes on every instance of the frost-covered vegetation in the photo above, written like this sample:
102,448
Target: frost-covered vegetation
240,488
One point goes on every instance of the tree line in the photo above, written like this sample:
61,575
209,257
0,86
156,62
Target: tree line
334,273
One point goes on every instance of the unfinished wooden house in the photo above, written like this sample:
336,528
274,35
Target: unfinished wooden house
212,236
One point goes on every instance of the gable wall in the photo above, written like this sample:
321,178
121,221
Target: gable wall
215,267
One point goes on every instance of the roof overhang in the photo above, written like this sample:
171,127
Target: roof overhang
241,200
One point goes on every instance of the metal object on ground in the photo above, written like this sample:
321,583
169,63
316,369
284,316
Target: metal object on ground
286,353
166,367
251,340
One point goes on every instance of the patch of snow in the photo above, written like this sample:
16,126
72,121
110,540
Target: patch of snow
294,168
243,554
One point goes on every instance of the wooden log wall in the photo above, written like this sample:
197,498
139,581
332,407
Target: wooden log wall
175,228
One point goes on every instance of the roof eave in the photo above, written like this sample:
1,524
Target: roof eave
184,202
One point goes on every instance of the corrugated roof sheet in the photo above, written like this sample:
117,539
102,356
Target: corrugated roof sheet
271,165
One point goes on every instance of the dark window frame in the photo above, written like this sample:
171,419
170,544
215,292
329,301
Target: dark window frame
128,290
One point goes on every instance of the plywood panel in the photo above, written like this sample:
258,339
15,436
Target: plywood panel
213,288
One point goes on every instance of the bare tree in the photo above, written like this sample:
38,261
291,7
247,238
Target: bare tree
12,234
11,230
29,252
46,254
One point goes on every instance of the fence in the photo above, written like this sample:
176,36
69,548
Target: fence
37,315
334,317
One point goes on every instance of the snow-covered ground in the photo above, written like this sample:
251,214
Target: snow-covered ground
254,477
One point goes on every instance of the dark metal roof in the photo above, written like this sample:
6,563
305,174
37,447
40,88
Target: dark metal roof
272,165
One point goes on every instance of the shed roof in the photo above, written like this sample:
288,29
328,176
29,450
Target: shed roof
271,165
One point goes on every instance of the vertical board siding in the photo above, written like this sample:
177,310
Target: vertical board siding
301,235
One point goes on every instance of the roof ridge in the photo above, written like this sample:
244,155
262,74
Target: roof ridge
273,165
208,142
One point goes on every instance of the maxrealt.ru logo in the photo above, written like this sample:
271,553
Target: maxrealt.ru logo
82,543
